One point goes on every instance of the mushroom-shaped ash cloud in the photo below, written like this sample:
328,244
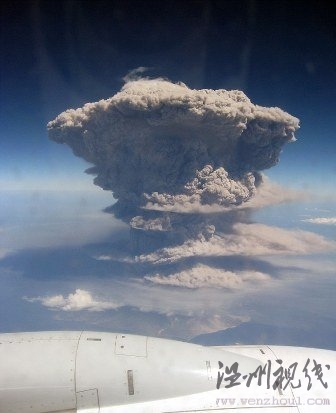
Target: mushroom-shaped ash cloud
162,147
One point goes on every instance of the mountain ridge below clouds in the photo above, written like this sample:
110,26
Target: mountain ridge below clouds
252,333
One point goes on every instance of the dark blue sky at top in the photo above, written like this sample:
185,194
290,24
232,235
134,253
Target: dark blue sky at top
61,54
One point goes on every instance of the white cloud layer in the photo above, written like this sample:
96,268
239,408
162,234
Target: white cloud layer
205,276
321,221
153,308
79,300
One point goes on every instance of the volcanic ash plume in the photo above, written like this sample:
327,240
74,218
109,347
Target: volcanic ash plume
169,153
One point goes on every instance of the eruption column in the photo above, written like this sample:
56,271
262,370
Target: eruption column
168,153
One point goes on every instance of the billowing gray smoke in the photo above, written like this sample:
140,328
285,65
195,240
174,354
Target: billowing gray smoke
168,152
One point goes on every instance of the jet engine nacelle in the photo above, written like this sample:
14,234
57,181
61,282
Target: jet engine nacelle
92,372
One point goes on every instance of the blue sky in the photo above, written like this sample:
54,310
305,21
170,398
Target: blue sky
62,54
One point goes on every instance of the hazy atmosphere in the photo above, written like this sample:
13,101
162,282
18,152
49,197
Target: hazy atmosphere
168,169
